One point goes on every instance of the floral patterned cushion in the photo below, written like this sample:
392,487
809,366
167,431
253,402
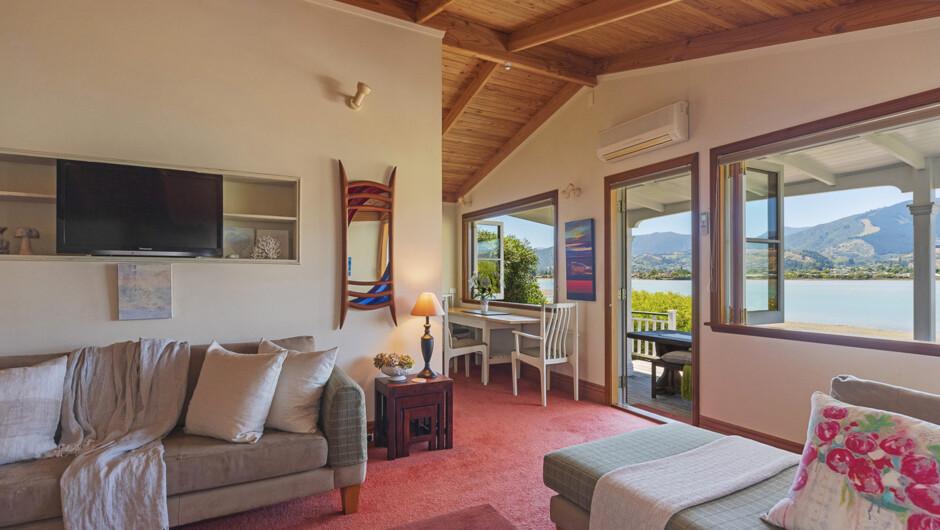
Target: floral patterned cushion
864,468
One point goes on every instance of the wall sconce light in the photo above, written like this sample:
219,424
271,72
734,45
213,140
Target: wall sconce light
362,90
465,201
570,190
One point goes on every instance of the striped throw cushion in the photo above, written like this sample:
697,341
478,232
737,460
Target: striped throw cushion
30,403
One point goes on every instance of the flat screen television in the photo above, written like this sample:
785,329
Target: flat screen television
118,210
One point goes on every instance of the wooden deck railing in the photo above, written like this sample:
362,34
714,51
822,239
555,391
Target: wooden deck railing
648,321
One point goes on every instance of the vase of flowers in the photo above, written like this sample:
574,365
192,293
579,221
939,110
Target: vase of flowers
483,289
396,366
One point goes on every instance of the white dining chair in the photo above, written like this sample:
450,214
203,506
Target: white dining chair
455,348
552,347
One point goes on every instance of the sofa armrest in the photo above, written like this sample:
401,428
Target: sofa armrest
343,420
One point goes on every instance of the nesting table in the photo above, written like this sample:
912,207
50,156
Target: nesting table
410,412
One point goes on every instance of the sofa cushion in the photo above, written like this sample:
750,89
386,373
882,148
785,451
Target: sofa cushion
195,463
30,402
233,395
296,403
197,355
29,491
882,396
574,471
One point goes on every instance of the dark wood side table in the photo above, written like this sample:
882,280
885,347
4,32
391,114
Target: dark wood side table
410,412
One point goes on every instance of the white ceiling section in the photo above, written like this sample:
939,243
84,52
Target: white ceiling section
906,146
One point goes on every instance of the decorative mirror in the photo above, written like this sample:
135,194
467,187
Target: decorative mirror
367,209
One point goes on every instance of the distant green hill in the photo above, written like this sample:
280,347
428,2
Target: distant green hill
661,243
546,260
874,235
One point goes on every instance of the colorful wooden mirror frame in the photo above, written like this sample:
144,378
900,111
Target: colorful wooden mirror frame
364,200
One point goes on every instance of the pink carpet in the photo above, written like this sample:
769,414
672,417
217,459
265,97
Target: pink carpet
482,517
499,441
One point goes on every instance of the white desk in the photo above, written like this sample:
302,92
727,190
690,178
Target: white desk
487,323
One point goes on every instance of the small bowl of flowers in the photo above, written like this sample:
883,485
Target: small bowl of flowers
394,365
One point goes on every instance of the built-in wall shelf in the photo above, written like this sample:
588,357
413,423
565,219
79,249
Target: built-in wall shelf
148,259
20,196
254,204
262,218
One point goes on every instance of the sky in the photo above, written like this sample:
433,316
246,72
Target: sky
800,211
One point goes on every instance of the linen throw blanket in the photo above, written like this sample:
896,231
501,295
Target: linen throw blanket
645,496
119,402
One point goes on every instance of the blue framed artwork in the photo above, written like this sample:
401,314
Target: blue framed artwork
579,260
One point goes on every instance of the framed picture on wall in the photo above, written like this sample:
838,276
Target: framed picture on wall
579,260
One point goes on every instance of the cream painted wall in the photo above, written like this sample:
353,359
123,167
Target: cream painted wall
451,261
756,383
252,86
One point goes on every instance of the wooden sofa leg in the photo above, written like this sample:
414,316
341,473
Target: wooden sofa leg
350,496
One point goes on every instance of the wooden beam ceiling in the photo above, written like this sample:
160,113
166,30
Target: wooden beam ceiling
546,112
860,15
565,44
580,19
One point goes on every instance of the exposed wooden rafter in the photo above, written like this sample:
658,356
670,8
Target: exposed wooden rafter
476,40
546,112
580,19
486,71
427,9
470,38
863,14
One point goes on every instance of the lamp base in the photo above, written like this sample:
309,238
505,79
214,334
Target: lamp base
427,349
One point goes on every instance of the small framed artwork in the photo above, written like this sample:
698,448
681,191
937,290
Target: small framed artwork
282,237
145,291
579,260
237,241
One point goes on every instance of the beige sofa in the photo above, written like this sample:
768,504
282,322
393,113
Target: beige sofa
209,478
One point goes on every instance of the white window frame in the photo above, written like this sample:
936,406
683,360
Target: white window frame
474,258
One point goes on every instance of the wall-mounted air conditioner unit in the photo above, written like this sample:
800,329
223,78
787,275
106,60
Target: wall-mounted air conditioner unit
666,126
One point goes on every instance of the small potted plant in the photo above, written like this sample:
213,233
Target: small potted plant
394,365
483,289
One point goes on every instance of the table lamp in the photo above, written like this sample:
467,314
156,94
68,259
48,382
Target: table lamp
427,306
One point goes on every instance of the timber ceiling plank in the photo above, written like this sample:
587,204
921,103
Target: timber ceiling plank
566,93
460,106
860,15
595,14
427,9
510,16
457,72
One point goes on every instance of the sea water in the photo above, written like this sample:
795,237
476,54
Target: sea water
877,304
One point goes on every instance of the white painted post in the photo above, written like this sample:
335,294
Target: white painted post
924,211
628,304
672,320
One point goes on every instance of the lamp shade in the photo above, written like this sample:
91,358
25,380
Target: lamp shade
427,306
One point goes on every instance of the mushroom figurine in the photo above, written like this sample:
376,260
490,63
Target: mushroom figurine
26,233
4,244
